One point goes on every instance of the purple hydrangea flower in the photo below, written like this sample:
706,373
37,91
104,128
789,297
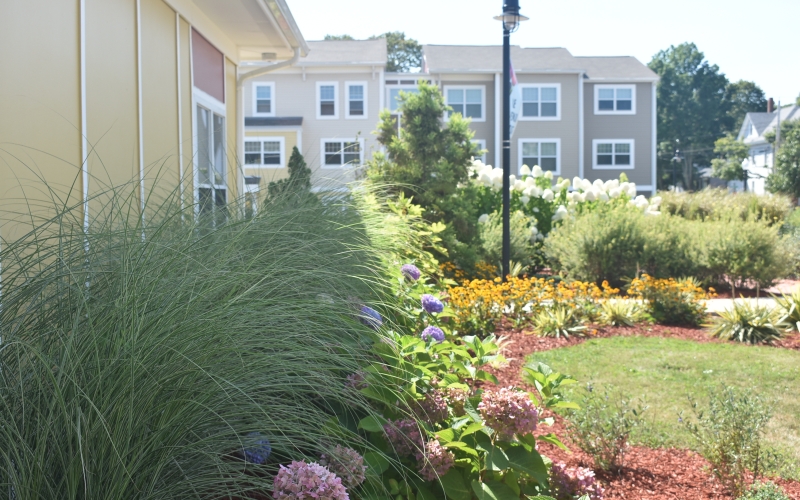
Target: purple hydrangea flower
509,412
411,271
346,463
371,317
258,450
433,332
573,482
436,461
431,304
302,481
405,437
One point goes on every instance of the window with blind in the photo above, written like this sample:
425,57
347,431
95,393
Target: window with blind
469,101
265,152
543,152
541,102
337,153
613,154
614,99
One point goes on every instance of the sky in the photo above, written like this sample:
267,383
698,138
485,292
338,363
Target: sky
750,40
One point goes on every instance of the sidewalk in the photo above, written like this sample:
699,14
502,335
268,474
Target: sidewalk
717,305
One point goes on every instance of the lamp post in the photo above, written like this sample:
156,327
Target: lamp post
511,19
675,160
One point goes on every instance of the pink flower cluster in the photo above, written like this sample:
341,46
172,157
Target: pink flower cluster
404,435
347,464
303,481
357,380
573,482
509,412
436,461
433,408
456,398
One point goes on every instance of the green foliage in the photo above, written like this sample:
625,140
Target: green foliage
764,491
671,301
790,309
404,54
729,432
428,161
491,233
749,323
603,425
718,204
743,97
731,155
299,182
558,321
785,176
137,363
618,312
549,385
338,37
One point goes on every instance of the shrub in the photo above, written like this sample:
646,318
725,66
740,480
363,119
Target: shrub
729,432
718,204
491,231
671,301
619,312
603,425
558,321
764,491
749,323
790,309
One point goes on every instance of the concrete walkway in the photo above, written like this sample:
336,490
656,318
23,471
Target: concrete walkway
716,305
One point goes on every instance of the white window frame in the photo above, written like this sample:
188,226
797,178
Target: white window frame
322,142
271,86
541,118
597,109
482,88
481,143
347,114
529,140
203,99
262,139
389,88
630,142
335,115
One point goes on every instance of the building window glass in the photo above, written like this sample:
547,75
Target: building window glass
210,160
338,153
355,100
540,101
327,106
467,101
610,99
264,99
613,154
266,152
542,152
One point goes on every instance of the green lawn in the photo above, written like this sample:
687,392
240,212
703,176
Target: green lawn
665,371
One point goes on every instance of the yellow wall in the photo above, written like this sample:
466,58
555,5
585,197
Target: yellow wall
231,121
186,108
39,108
273,174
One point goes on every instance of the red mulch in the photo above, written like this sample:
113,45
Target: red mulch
648,474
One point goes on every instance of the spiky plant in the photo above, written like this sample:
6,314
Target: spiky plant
620,312
790,308
749,323
558,321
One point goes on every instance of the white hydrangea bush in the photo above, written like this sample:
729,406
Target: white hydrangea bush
547,201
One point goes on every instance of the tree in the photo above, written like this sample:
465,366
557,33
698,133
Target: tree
692,110
743,97
731,155
299,181
797,101
429,161
404,54
785,176
339,37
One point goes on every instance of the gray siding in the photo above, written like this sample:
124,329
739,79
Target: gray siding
638,127
296,96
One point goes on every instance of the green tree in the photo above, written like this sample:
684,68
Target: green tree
298,182
428,160
731,155
404,54
339,37
785,176
743,97
692,110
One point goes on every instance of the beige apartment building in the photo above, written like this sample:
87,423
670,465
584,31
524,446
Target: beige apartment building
146,93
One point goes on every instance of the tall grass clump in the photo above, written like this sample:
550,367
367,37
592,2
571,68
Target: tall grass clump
138,359
715,204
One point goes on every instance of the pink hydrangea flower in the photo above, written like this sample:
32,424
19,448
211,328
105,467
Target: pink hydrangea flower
346,463
509,412
404,435
433,408
456,398
573,482
436,461
303,481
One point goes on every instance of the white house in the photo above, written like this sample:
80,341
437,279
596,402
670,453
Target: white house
754,129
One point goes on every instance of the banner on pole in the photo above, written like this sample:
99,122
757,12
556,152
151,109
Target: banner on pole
515,101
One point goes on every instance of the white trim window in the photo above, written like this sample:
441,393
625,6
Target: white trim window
337,153
469,100
615,99
543,152
356,96
481,143
264,152
393,94
327,100
541,101
612,154
210,155
263,98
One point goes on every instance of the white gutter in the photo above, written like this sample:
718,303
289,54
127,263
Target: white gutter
240,79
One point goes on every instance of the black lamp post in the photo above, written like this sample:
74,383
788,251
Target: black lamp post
511,19
678,158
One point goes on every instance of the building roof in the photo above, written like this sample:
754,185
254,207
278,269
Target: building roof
345,52
766,122
616,68
489,59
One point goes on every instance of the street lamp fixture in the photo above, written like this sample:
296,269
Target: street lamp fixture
511,19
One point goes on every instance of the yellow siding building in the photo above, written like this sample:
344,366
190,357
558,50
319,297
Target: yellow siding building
102,93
